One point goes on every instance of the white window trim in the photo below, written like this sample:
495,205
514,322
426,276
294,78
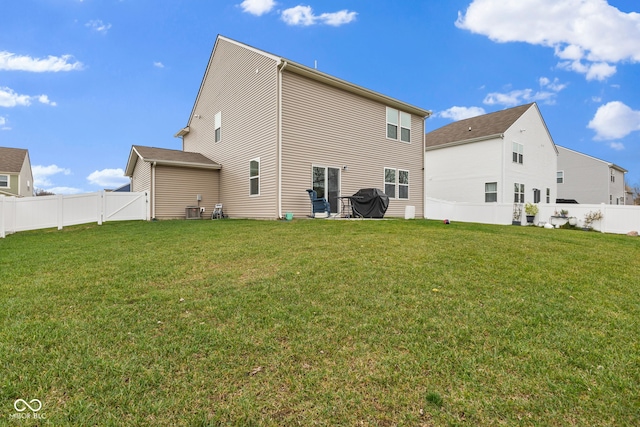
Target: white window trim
397,183
257,159
8,181
398,124
562,173
521,192
217,125
518,149
490,192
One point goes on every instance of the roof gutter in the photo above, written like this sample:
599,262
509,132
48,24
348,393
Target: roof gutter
183,164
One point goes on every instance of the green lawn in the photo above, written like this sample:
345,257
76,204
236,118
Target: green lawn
315,322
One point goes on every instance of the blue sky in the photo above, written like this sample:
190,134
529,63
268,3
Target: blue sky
83,80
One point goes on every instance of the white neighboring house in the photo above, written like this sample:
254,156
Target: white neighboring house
589,180
504,157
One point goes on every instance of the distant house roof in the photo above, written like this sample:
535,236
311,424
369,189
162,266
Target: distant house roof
163,156
476,128
12,159
611,165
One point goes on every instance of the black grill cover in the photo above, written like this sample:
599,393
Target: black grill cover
370,203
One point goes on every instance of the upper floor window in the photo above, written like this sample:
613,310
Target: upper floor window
254,177
613,177
518,152
398,125
4,181
218,126
548,195
560,177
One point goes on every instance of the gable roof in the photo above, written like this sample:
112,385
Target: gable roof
12,159
477,128
311,73
163,156
611,165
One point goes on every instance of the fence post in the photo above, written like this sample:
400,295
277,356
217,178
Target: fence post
101,202
60,200
2,205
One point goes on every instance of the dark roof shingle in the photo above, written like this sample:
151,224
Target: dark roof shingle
12,159
476,127
177,156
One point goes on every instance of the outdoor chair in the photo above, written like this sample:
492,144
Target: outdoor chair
318,204
218,213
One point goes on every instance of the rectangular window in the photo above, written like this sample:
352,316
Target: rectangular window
390,182
491,192
254,177
392,123
613,177
217,123
548,195
536,195
403,184
399,119
4,181
396,183
560,177
518,193
518,153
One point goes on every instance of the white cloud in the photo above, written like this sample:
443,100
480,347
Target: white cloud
98,26
304,16
461,113
12,62
587,35
257,7
517,97
547,94
108,178
3,124
158,64
9,98
42,174
618,146
614,120
65,190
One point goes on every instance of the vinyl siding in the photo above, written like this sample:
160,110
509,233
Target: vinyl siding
325,126
242,85
177,188
141,179
26,179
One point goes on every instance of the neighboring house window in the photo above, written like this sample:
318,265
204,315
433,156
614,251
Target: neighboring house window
254,177
610,199
536,195
613,177
396,183
560,177
518,152
548,195
491,192
218,126
4,181
398,119
518,193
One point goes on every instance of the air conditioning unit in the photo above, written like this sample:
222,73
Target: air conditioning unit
192,212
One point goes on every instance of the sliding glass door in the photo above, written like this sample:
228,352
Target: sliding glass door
326,182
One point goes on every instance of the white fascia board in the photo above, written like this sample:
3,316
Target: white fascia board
466,141
184,164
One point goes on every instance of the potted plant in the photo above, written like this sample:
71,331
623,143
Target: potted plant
590,217
531,210
564,213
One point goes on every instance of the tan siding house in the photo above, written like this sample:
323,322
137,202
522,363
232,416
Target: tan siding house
276,128
16,177
174,180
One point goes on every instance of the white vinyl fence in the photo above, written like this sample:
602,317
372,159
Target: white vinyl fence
32,213
616,219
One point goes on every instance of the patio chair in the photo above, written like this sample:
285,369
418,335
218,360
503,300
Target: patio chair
318,204
218,213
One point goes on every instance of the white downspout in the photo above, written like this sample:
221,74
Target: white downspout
153,190
279,149
424,167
